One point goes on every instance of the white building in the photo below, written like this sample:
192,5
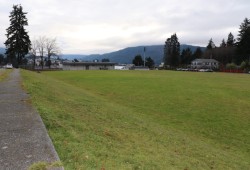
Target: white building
205,64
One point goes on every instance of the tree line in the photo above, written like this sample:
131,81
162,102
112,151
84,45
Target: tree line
230,52
138,61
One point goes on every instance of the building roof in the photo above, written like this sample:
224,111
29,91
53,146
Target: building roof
88,63
205,60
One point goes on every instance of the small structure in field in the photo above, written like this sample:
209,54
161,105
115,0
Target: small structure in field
88,66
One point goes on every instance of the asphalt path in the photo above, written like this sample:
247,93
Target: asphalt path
23,137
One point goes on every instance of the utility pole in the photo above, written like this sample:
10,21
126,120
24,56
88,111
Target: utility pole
144,55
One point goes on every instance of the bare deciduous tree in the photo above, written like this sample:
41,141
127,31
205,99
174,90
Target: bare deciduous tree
33,51
44,46
41,46
52,49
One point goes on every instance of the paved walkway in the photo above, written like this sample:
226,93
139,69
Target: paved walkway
23,137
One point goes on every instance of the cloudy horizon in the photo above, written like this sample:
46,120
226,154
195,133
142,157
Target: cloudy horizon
97,26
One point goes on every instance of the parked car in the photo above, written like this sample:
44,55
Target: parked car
9,66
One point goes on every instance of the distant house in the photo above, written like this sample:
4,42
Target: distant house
88,66
205,64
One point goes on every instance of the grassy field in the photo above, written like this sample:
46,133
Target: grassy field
145,119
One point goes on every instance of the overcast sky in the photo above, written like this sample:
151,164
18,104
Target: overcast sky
100,26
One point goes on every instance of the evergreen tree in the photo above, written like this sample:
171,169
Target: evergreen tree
223,44
1,59
197,53
172,51
211,44
149,62
243,44
230,40
137,61
18,42
186,56
210,51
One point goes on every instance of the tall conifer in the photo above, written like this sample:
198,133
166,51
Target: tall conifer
243,44
172,51
18,41
230,40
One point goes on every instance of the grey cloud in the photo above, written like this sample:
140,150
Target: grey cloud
132,22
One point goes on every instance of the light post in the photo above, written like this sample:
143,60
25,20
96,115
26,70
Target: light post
144,55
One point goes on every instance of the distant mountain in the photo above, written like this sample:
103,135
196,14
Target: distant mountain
125,56
73,56
2,50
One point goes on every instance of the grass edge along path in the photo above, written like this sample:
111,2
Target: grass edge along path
90,132
4,74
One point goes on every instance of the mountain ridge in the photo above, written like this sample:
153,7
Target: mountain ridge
126,55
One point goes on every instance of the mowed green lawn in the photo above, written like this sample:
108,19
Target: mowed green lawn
145,119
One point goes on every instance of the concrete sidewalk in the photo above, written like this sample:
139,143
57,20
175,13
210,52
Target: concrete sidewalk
23,136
